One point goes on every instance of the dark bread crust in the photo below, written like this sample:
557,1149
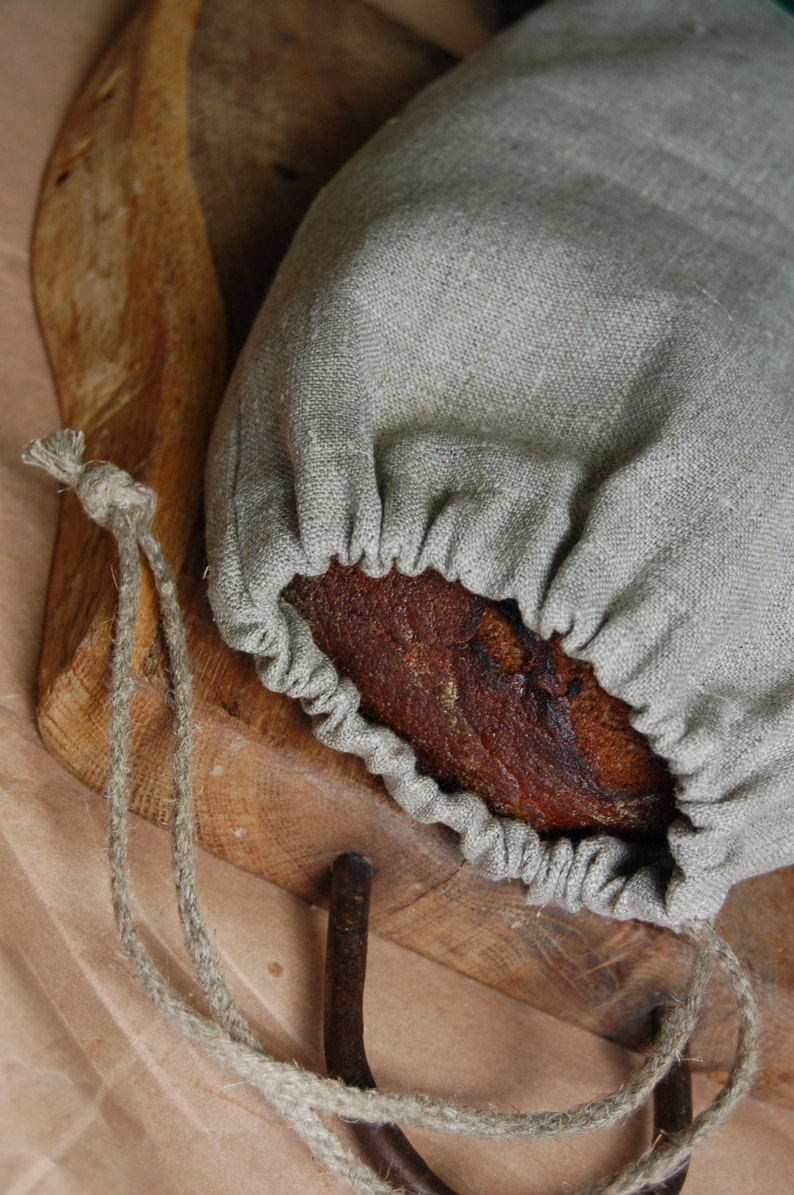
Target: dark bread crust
486,704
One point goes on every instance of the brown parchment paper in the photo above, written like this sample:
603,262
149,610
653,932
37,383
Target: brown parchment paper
97,1094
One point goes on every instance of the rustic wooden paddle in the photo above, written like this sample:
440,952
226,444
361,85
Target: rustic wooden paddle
176,184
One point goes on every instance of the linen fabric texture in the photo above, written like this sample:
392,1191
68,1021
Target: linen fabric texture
538,336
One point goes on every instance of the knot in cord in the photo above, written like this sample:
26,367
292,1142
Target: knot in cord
104,490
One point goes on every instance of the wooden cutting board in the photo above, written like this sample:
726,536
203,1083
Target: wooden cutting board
176,184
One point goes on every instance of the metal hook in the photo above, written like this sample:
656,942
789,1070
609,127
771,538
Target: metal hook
672,1109
387,1147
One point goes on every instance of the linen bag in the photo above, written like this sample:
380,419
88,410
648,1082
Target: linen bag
538,336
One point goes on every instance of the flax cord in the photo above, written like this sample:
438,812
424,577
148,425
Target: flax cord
115,501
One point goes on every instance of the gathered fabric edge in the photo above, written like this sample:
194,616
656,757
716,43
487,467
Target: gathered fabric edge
602,873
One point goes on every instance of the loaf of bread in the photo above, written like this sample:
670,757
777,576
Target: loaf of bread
486,704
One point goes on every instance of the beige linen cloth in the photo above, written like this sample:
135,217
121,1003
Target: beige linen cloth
97,1095
539,336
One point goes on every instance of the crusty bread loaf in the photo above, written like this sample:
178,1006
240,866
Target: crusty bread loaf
486,704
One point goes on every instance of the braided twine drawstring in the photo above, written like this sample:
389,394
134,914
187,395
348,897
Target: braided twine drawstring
126,508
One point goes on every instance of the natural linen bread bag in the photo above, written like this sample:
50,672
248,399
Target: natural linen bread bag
538,336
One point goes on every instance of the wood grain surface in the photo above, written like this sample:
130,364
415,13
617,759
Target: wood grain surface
177,181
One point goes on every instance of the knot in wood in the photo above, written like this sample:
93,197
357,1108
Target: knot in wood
105,491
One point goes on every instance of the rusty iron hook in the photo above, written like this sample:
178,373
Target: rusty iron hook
386,1146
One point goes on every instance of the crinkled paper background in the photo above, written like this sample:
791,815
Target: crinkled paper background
97,1095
